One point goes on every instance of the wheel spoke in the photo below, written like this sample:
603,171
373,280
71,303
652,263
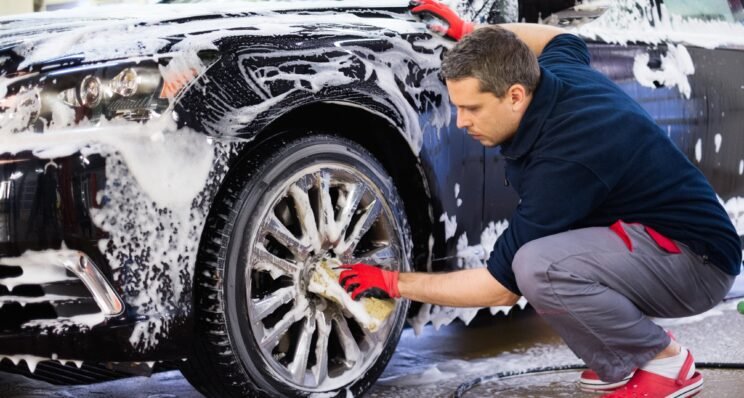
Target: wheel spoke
371,212
271,338
327,228
320,370
385,255
267,305
305,216
327,209
276,228
348,344
372,339
265,261
349,206
298,367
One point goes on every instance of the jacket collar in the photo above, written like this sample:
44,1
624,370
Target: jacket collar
533,119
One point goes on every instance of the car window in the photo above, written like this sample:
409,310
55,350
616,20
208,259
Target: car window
709,10
538,10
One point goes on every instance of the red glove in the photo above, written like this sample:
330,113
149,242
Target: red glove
454,27
362,280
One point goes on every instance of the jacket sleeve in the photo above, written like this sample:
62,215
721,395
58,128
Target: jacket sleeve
555,195
565,48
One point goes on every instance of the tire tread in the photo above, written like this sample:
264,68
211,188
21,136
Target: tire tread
211,369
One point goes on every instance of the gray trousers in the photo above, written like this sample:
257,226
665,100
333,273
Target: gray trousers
598,295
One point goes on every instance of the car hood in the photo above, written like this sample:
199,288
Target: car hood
124,31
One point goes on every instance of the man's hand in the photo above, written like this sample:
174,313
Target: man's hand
362,280
454,27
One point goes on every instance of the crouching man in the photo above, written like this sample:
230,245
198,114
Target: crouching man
614,224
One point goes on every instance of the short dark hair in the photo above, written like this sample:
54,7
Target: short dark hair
494,56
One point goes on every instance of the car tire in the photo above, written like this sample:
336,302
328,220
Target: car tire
259,332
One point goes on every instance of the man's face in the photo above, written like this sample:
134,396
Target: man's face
489,119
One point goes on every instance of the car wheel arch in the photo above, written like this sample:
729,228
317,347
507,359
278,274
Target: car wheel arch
377,135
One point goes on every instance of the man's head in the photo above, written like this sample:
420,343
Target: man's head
491,75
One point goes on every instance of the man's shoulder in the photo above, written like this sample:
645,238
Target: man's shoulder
567,58
565,49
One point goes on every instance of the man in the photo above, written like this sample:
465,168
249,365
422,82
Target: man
614,223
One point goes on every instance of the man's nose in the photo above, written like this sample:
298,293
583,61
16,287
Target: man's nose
462,121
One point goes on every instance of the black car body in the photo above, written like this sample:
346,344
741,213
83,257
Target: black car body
167,179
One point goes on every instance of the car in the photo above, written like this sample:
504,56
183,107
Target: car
172,174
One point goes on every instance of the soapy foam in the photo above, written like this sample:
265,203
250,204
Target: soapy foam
627,21
183,227
469,257
39,267
676,66
450,225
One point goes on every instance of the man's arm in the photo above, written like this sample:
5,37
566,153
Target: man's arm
466,288
536,36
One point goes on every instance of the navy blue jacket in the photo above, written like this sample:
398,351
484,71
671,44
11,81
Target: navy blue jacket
586,154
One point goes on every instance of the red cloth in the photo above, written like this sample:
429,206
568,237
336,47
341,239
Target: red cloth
661,240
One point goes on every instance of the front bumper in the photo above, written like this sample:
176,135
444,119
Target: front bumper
44,213
56,291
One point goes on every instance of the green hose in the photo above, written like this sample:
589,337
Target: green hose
740,307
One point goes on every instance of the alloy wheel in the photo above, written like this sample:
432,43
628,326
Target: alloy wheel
324,211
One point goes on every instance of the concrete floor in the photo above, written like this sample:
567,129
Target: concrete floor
435,363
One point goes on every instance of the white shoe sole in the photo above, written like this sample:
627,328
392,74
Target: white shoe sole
689,391
601,386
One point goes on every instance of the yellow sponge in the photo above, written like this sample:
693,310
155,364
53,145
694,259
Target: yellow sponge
369,312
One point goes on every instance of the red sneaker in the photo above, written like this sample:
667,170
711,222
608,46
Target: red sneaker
650,385
590,382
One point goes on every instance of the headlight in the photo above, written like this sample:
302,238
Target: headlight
126,82
131,91
90,92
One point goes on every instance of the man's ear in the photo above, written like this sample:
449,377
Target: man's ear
517,96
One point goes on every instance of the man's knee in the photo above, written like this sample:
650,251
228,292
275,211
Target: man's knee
530,266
